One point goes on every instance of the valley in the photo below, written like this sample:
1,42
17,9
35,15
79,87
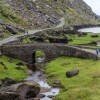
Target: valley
45,51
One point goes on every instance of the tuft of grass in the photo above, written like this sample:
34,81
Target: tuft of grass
11,72
84,86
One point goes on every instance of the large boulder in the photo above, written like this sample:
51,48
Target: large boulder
11,29
29,91
23,91
56,84
72,73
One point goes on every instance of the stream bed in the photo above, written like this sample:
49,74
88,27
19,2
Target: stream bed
40,78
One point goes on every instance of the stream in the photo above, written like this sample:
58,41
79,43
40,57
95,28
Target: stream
40,78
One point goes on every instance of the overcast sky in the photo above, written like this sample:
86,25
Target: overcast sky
95,5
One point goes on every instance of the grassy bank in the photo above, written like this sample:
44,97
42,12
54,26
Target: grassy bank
9,69
85,86
85,39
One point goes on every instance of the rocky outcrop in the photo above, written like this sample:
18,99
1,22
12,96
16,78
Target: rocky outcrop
50,39
82,8
58,40
46,13
18,91
13,30
21,15
4,27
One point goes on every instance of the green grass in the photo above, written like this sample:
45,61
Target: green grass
11,72
84,40
85,86
39,54
28,40
6,34
76,39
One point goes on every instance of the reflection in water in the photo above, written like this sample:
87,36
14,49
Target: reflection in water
93,30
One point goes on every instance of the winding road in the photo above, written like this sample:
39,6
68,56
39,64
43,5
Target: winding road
61,24
13,38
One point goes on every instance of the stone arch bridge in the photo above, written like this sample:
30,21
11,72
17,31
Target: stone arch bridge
25,51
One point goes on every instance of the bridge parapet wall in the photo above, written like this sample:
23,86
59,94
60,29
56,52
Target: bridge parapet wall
75,52
24,51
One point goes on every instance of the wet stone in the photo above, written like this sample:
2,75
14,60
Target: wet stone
36,99
56,84
41,96
50,96
53,92
30,72
43,90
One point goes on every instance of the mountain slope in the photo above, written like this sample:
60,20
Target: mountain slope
45,13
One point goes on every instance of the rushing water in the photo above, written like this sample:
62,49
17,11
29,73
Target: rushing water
93,30
40,78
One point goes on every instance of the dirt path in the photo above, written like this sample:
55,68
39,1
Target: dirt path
13,38
92,51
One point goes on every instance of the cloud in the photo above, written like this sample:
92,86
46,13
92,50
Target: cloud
95,5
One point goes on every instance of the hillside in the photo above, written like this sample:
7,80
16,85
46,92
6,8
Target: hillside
30,14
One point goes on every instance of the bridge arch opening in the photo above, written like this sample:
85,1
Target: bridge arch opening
37,62
38,56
